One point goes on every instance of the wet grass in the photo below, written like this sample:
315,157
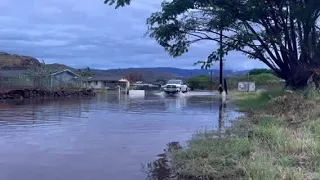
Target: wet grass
279,139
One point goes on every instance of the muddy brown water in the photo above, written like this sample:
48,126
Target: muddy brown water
101,138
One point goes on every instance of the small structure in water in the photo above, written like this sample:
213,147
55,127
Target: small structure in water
136,93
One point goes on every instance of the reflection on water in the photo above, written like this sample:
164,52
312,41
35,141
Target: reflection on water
161,169
107,137
222,114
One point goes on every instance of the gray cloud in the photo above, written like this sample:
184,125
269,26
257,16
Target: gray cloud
84,33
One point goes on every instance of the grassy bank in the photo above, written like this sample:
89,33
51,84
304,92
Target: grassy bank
278,139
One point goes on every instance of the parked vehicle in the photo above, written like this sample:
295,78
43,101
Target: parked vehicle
175,86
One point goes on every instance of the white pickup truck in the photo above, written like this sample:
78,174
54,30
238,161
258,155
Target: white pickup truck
175,86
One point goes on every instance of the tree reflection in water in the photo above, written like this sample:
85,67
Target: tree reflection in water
161,168
222,110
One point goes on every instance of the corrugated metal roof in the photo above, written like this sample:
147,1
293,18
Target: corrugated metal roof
66,70
105,78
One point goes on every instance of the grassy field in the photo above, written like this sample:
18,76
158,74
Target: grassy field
279,138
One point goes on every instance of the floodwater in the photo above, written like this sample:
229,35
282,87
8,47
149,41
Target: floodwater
103,138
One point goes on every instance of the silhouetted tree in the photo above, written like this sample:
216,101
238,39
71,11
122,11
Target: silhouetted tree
260,71
134,77
283,34
86,73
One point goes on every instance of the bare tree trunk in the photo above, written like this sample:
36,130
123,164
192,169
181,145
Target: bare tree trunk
297,77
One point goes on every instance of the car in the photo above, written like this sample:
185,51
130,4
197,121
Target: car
175,86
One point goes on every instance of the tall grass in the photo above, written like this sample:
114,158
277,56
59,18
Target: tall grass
280,140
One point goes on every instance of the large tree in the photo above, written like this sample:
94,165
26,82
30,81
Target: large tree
283,34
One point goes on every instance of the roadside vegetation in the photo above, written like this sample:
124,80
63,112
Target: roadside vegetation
263,78
277,139
202,82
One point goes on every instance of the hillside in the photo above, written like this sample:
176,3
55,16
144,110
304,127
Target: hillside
13,61
148,75
187,73
166,73
17,61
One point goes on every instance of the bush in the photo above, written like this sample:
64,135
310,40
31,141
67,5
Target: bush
200,82
260,71
293,107
265,79
262,80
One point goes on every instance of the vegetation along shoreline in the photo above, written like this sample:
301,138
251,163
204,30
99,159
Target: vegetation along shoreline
275,139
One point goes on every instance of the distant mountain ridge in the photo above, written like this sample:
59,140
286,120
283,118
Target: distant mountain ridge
178,72
148,74
151,74
187,73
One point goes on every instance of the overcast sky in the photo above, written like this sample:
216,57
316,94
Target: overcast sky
83,33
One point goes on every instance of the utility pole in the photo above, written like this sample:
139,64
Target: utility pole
221,2
248,81
221,60
211,81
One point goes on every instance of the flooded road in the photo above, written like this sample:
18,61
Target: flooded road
107,137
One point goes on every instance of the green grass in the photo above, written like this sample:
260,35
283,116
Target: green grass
256,101
204,159
279,140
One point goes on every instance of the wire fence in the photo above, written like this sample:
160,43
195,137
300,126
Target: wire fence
43,82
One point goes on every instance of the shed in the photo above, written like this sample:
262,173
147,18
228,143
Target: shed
246,86
65,78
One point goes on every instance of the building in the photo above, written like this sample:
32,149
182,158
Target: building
246,86
107,82
65,79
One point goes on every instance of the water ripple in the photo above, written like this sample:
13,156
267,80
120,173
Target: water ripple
97,138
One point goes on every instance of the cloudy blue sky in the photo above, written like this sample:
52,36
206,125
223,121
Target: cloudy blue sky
83,33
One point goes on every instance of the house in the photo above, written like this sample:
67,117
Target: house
65,78
107,82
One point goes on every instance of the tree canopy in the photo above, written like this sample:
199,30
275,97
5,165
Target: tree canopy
117,3
201,82
283,34
260,71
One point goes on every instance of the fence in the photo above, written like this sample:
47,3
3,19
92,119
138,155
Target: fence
41,82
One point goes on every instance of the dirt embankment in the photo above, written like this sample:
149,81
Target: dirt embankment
15,61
